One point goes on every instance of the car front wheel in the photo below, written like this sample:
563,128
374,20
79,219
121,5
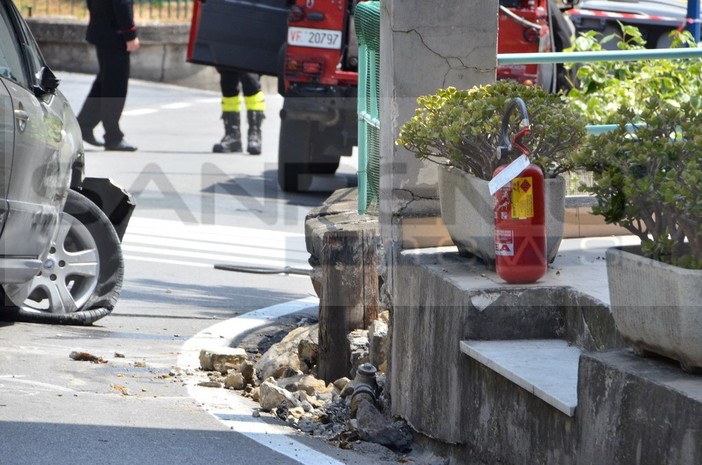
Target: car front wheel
80,279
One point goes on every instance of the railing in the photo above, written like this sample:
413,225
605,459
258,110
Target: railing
589,57
144,10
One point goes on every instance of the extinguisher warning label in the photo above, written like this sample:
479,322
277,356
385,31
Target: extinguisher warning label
522,197
504,243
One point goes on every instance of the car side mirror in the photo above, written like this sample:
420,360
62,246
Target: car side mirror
48,82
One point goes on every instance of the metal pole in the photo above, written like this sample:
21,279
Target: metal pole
693,18
608,55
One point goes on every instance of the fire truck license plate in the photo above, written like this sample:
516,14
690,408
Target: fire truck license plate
318,38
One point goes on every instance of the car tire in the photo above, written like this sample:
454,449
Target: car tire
82,277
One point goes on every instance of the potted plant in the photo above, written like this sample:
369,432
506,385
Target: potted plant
647,177
461,131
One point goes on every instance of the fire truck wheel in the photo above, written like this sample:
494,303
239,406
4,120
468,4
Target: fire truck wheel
324,168
327,157
294,148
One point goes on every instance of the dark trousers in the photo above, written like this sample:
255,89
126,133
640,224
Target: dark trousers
229,80
108,94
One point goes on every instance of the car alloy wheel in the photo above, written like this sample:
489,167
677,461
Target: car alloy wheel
81,277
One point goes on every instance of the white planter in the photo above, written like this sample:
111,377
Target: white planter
467,211
656,307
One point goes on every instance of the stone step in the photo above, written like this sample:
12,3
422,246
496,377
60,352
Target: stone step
547,368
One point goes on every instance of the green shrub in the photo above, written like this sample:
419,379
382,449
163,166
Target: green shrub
463,128
649,179
647,174
604,87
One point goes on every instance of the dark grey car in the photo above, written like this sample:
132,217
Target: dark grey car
60,254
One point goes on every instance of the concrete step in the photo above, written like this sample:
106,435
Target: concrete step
547,368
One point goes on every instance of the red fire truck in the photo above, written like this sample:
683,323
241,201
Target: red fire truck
311,46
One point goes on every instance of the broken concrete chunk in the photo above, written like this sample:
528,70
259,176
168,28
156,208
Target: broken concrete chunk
378,340
341,383
210,384
282,358
248,371
273,396
359,348
222,359
234,381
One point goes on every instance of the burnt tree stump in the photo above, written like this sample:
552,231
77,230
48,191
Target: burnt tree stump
349,295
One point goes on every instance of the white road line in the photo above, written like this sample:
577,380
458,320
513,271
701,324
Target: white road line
176,105
200,231
168,106
52,387
167,261
272,251
177,243
210,100
234,410
235,245
140,112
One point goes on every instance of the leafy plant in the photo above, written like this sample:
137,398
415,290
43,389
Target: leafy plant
648,172
648,178
463,128
604,87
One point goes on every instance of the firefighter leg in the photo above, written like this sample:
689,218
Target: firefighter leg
255,105
231,142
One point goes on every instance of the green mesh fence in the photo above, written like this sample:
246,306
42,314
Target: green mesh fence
367,20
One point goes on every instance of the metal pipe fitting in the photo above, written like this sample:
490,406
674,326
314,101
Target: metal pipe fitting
364,387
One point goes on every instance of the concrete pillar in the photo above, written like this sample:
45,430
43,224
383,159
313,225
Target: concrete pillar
424,46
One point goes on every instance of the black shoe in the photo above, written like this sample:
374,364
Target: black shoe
121,146
90,139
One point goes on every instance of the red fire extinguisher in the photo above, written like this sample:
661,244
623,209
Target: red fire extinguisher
520,226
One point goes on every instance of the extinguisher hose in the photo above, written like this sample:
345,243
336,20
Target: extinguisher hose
525,127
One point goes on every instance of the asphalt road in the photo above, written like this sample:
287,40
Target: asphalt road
194,209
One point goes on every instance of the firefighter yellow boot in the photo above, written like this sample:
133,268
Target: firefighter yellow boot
231,142
253,145
255,105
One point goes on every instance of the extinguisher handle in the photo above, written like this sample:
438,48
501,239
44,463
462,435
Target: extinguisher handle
525,128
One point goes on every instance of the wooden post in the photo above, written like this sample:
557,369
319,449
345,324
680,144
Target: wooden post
349,295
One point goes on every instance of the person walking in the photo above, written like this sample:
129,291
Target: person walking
230,80
112,31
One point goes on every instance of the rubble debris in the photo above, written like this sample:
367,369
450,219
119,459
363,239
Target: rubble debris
121,389
372,426
210,384
86,357
283,382
359,348
283,360
378,341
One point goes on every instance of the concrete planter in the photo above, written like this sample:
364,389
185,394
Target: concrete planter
656,307
467,211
